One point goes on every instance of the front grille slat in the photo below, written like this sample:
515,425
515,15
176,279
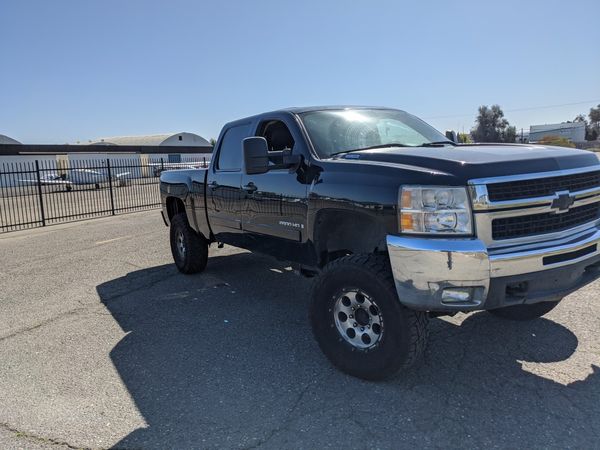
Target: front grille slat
541,187
536,224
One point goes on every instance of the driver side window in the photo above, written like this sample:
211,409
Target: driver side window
277,134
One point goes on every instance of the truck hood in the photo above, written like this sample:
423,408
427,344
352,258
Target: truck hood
466,162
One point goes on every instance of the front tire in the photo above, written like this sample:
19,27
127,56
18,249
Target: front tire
524,312
189,249
358,321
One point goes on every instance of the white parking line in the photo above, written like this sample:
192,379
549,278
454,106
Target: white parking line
112,240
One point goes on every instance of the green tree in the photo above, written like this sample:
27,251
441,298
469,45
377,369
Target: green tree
213,141
594,117
464,138
491,126
510,134
590,133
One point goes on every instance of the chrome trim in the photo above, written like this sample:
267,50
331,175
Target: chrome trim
484,210
479,196
422,268
503,265
557,239
538,238
483,225
545,208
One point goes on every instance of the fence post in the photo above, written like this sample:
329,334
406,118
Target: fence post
162,165
110,187
39,186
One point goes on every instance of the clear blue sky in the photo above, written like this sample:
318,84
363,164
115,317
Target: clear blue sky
77,70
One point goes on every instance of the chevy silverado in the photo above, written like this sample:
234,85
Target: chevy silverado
395,223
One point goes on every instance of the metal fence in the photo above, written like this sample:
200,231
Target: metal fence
39,193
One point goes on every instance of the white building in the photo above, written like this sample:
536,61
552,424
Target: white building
573,131
167,139
108,148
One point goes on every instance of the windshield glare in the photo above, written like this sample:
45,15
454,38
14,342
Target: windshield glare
335,131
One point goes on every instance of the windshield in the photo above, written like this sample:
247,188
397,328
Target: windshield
337,131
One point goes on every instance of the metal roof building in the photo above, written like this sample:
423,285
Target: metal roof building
168,139
573,131
7,140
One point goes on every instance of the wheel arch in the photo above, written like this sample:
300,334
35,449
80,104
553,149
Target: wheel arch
174,206
338,233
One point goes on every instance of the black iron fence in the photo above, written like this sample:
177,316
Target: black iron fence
39,193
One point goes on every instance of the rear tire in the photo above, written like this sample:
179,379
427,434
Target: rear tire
396,336
189,249
524,312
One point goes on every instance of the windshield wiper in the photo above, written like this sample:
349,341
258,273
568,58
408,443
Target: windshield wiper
436,144
371,148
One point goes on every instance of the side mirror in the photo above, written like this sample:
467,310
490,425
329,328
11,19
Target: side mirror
256,155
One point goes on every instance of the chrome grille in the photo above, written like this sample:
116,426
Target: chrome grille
536,224
531,208
522,189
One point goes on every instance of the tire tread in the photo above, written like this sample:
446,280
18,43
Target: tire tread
378,265
197,246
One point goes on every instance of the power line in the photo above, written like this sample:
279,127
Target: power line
517,109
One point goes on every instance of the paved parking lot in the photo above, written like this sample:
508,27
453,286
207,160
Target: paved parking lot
104,344
20,206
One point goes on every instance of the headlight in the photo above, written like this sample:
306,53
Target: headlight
437,210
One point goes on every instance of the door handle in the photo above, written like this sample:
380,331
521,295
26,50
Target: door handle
250,187
213,185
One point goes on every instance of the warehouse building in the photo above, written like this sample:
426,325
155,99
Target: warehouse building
7,140
169,148
168,139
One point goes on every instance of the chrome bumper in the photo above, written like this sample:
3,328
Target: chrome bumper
457,274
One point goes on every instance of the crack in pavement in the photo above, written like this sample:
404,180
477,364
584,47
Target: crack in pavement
41,439
82,309
48,321
286,421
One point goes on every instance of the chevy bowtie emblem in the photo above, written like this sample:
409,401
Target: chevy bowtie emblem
563,201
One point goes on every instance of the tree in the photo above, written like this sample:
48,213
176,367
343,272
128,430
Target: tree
464,138
213,141
594,117
510,134
491,126
590,133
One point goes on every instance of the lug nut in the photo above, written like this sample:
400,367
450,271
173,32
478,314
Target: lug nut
354,324
351,316
362,328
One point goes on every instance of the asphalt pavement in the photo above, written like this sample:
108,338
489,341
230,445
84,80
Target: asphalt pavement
104,344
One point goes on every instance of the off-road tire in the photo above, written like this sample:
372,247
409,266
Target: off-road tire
193,259
404,333
524,312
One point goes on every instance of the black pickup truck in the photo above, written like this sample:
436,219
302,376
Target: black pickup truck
395,223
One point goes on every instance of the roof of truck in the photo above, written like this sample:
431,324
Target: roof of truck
300,110
303,109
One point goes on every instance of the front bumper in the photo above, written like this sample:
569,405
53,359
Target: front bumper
434,274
